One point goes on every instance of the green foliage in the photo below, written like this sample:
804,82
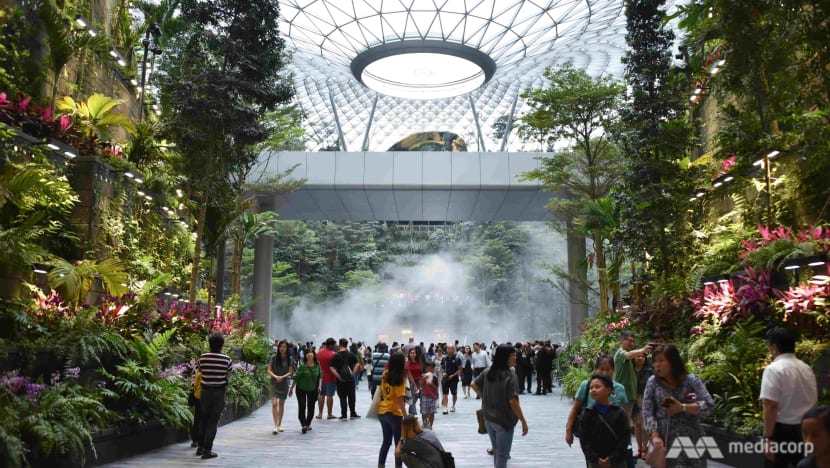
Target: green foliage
17,73
730,360
59,421
654,135
247,389
78,339
34,201
96,116
141,393
75,280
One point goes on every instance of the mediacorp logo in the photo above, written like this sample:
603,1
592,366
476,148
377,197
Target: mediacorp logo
706,444
694,451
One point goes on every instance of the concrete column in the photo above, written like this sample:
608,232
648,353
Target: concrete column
263,277
577,289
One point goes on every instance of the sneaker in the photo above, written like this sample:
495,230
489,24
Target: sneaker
209,455
453,409
279,428
446,411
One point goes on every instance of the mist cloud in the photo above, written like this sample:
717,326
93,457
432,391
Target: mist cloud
433,301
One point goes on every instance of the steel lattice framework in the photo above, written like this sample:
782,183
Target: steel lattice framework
522,38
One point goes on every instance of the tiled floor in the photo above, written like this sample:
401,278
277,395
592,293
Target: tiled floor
355,443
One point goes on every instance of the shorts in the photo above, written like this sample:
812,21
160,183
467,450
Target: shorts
329,389
449,386
428,405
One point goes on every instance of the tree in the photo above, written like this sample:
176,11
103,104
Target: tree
579,109
653,195
220,80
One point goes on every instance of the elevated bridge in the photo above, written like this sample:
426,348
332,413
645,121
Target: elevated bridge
405,186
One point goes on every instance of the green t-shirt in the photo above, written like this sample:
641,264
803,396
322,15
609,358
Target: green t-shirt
624,372
618,397
306,377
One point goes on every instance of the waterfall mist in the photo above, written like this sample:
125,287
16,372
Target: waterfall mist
435,300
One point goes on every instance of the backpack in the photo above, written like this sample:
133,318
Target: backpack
345,371
447,458
420,453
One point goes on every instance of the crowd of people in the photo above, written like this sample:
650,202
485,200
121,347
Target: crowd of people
644,392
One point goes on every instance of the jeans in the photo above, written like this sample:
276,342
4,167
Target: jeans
501,439
305,406
413,395
391,426
213,403
345,391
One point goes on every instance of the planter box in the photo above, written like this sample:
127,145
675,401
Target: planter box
115,444
735,458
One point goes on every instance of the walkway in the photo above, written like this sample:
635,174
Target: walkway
355,443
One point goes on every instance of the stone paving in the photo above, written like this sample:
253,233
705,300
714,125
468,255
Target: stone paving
355,443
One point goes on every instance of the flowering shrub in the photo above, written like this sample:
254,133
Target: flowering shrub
820,236
812,298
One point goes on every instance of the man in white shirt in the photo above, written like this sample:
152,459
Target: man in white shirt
788,390
480,359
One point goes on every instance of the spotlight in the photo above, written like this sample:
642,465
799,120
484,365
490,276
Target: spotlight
712,279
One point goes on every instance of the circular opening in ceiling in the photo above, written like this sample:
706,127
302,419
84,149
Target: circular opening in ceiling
423,69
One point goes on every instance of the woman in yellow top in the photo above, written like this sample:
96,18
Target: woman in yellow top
391,407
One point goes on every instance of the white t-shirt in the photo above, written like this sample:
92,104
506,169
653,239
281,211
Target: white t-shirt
792,383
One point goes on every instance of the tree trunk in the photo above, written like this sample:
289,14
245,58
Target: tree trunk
602,274
197,249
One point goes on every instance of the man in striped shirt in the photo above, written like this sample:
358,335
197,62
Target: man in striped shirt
216,368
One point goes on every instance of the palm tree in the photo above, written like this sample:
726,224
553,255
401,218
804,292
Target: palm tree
599,220
75,281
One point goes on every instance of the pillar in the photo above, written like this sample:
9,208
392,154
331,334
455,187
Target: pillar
578,284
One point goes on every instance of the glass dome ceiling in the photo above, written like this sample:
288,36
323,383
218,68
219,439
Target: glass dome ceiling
520,38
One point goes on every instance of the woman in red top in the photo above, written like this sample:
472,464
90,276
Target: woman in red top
413,375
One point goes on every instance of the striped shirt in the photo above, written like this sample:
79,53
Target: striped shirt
215,368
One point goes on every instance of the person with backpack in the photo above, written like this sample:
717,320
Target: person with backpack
420,448
604,365
604,433
344,366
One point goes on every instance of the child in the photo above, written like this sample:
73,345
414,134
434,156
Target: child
429,396
605,366
604,434
815,430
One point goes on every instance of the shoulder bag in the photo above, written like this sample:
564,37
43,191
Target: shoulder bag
372,412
